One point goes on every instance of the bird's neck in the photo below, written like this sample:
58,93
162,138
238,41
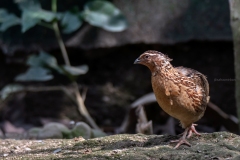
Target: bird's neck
163,69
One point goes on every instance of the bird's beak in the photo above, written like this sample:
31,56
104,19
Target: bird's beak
137,61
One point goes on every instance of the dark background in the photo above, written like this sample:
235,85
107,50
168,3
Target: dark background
195,34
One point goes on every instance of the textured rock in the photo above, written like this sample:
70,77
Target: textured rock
162,22
55,130
221,145
151,22
82,129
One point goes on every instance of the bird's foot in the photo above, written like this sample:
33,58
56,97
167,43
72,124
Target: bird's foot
186,134
180,142
192,130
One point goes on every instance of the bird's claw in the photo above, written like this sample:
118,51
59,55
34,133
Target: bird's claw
186,134
180,142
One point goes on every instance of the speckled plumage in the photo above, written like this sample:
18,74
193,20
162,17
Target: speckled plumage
181,92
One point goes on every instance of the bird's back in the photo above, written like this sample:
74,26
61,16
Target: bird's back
199,79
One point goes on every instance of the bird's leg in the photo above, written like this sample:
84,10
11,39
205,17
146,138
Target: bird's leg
182,140
188,131
192,130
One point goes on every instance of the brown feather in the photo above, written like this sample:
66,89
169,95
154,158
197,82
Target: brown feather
180,92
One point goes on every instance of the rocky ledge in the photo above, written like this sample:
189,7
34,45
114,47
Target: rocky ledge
219,145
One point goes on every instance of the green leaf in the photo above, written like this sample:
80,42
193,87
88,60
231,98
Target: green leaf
42,64
32,14
32,9
105,15
77,70
30,18
28,4
70,22
41,15
35,61
116,23
28,22
48,59
7,20
44,60
35,74
11,88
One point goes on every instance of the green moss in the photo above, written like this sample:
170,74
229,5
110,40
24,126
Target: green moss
221,145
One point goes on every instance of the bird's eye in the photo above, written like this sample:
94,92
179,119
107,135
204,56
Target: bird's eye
146,56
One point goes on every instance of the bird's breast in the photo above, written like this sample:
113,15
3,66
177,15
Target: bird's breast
174,99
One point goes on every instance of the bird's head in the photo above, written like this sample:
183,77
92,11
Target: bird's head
151,59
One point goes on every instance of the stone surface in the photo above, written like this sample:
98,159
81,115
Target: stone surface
162,22
82,129
150,22
55,130
219,145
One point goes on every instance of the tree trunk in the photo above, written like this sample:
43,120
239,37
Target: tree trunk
235,24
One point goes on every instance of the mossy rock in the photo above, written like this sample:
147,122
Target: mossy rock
219,145
55,130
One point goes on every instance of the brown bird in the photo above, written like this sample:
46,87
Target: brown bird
181,92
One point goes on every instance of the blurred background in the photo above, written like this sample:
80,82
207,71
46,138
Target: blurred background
71,63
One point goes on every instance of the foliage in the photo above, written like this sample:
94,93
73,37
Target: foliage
8,89
99,13
42,65
105,15
7,20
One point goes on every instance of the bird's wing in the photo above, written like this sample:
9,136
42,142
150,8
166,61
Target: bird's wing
198,78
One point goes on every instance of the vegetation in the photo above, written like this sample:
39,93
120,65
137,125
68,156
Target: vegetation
99,13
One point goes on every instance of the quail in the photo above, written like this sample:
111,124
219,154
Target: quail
181,92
